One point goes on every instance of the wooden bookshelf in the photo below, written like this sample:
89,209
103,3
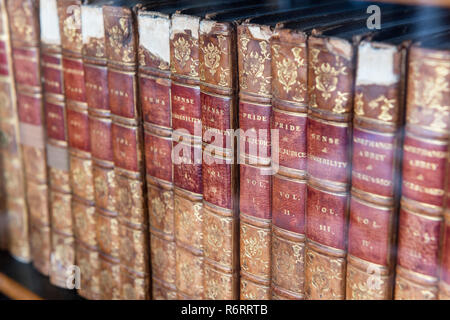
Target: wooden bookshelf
20,281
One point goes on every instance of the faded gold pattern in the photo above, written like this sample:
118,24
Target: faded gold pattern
130,200
61,212
359,104
323,276
21,19
182,51
385,105
287,72
327,77
361,287
117,36
211,55
189,221
253,69
255,250
96,46
189,276
405,290
250,291
288,261
82,178
72,27
218,286
429,93
34,159
60,179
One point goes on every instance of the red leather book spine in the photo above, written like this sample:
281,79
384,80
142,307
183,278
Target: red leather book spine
154,82
186,122
289,106
13,220
425,159
128,144
330,86
218,96
24,23
375,195
57,145
106,217
83,208
255,114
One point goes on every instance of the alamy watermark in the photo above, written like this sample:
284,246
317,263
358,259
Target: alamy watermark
252,146
374,21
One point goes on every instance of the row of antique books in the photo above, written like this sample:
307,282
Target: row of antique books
121,156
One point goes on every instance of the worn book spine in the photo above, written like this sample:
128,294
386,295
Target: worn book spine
425,171
99,113
375,194
155,93
255,114
187,145
289,107
444,281
330,87
24,24
128,144
14,219
218,96
62,249
80,159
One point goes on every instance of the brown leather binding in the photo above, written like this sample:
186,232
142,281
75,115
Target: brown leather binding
186,117
127,139
13,219
425,153
83,209
154,81
255,180
289,103
24,24
330,85
378,117
62,253
106,217
218,70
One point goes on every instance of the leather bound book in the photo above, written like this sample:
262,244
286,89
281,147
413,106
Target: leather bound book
154,82
255,179
187,155
377,140
96,83
14,215
255,120
187,145
331,65
329,155
425,152
127,138
62,250
186,120
218,96
378,110
82,183
289,107
24,28
220,171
